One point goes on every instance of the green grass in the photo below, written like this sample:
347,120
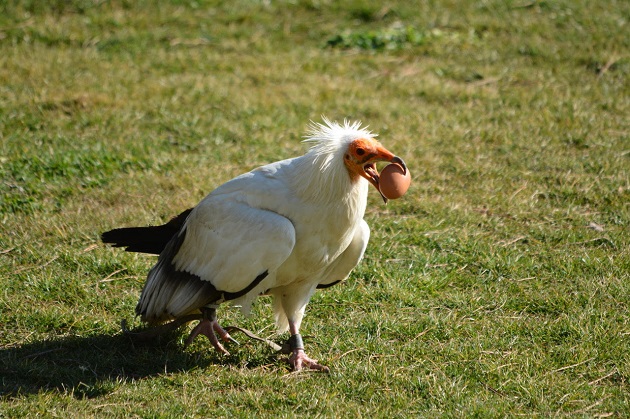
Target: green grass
498,286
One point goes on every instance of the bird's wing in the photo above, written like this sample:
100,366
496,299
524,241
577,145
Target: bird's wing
225,248
349,259
230,243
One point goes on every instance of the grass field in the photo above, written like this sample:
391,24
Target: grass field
498,286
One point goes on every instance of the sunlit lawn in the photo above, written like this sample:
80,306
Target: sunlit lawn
498,286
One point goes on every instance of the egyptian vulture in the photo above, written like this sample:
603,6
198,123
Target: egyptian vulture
283,229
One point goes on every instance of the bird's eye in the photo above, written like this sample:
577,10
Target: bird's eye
360,151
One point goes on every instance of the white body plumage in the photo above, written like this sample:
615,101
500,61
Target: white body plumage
299,220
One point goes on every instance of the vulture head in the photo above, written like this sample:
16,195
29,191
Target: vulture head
353,145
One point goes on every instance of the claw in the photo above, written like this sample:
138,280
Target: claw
299,360
210,327
231,339
206,328
222,333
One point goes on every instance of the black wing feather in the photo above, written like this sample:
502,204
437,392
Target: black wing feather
150,239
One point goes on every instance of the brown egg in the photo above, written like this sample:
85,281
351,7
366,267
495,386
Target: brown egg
393,181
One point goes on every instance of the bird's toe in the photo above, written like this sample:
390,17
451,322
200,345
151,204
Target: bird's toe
207,328
299,360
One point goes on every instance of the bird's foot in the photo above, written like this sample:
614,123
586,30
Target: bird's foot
299,360
210,329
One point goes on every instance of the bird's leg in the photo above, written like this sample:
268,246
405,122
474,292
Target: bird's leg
207,327
298,358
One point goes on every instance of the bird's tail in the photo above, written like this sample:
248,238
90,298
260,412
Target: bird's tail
151,239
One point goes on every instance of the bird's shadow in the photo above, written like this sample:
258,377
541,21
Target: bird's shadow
88,367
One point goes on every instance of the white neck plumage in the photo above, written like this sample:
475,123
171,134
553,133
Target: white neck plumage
323,177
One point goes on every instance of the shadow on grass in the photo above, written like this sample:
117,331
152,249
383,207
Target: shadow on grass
92,366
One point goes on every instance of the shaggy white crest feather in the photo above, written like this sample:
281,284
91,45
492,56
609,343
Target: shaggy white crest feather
324,173
330,136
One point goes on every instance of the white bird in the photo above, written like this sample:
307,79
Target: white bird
284,229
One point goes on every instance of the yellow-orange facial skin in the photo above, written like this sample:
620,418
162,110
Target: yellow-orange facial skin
361,158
